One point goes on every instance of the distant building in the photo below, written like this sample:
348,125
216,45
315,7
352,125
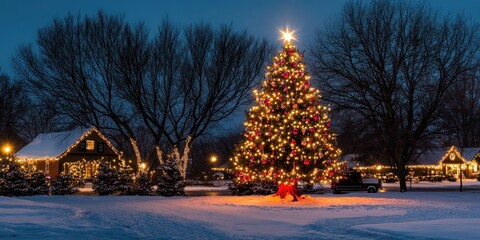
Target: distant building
77,152
433,162
449,161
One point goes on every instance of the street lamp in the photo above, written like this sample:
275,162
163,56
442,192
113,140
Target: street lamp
213,160
7,150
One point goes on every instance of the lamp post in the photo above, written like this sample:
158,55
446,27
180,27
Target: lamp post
213,160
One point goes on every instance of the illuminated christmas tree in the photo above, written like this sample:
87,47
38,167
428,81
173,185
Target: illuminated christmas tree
287,137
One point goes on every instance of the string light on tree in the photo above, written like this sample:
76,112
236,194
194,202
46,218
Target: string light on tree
287,137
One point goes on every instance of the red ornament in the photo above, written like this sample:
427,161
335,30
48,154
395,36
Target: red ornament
295,131
267,101
307,120
294,64
306,84
289,51
264,161
315,117
294,153
285,74
293,142
306,162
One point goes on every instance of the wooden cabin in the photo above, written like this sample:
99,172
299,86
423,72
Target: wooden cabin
77,152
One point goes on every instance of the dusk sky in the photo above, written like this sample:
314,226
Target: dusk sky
20,19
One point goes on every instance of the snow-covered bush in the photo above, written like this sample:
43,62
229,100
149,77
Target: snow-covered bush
64,185
13,179
170,183
38,183
124,185
114,180
143,184
105,179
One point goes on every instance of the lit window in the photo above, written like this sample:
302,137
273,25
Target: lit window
90,145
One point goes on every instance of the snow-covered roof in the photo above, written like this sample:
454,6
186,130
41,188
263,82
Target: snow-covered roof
53,145
431,156
434,156
469,153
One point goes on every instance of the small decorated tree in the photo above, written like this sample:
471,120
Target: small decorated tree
14,180
105,180
38,183
170,182
124,184
287,137
64,185
143,183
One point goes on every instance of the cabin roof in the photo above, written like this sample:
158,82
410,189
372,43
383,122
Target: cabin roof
54,145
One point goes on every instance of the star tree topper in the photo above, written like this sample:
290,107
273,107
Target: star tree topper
288,35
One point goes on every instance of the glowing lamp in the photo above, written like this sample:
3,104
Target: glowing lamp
7,149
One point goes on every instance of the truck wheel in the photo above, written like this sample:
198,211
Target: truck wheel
371,190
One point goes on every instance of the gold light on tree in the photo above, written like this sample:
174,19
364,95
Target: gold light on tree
287,133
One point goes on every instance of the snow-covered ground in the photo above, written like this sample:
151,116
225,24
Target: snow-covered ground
385,215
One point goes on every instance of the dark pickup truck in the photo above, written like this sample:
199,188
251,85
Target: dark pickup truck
352,181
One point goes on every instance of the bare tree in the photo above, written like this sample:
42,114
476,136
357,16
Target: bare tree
182,85
13,107
391,63
149,78
41,117
462,111
220,68
75,69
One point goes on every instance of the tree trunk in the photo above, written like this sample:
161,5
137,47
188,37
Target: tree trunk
186,152
136,150
289,189
159,152
401,177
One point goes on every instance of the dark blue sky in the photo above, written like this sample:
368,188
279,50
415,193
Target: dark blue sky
20,19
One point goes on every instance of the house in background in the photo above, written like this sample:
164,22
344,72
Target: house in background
433,163
449,161
77,152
